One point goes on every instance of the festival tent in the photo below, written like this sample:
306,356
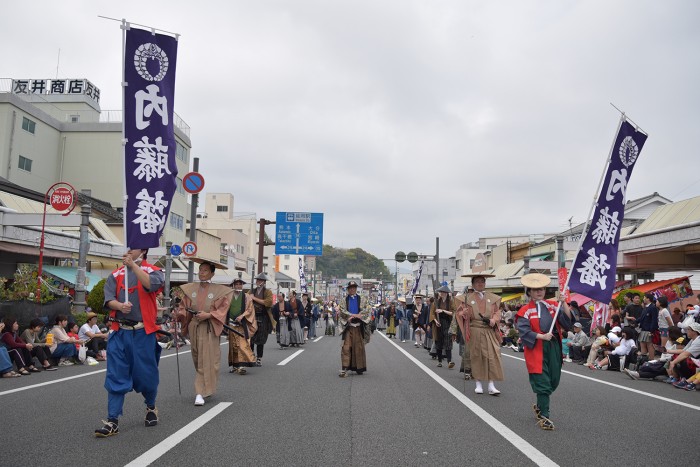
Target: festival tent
673,289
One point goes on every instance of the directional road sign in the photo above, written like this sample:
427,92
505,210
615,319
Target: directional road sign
193,182
299,233
189,248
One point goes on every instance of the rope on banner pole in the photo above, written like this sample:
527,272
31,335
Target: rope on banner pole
623,117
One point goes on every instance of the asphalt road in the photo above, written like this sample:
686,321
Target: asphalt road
402,411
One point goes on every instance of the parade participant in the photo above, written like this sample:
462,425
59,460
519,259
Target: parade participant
241,316
132,347
262,301
543,355
390,316
280,312
313,317
306,320
296,315
330,322
204,311
478,319
404,320
354,320
441,318
419,309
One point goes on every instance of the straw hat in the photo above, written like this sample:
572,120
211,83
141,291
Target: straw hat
216,264
262,277
535,280
401,299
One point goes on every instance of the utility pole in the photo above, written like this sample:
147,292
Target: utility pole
79,302
261,242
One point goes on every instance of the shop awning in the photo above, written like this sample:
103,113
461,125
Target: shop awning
68,275
673,289
580,299
32,250
513,296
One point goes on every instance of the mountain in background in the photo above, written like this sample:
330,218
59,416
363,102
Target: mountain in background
339,262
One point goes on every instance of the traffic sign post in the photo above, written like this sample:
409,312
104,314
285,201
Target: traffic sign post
299,233
193,182
189,248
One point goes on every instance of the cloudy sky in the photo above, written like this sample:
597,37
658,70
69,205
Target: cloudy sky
403,120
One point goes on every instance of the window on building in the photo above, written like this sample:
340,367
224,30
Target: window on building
222,209
179,188
28,125
286,267
286,256
181,152
177,221
25,164
471,264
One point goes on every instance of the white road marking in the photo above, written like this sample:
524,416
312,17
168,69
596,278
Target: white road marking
289,359
519,443
618,386
318,339
180,435
68,378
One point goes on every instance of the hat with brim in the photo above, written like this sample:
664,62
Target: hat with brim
445,289
351,284
578,325
478,274
262,277
401,299
418,295
90,315
695,327
535,280
238,281
314,300
210,262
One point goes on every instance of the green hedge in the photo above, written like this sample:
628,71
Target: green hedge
621,296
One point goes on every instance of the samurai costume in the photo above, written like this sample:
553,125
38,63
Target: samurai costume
442,336
262,316
355,334
204,334
283,327
241,316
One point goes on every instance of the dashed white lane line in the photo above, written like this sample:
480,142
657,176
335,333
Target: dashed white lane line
534,454
289,359
173,440
318,339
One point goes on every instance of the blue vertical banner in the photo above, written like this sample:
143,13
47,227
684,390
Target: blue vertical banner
150,167
414,290
594,270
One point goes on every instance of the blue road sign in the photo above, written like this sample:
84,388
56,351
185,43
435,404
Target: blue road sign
299,233
175,250
193,182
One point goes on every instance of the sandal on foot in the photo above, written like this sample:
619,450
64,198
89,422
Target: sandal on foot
545,423
151,416
110,428
343,374
538,412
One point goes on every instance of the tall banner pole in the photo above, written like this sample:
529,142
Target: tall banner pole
124,28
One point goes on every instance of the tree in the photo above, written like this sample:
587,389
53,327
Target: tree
339,262
96,297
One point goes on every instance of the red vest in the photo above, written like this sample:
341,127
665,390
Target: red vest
147,300
535,355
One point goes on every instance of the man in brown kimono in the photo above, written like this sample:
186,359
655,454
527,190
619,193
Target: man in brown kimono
262,302
241,317
209,304
478,317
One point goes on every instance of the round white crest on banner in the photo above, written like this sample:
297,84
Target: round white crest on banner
210,296
147,52
628,151
194,294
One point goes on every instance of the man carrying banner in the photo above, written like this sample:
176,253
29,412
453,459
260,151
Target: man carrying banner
132,346
204,309
543,353
241,316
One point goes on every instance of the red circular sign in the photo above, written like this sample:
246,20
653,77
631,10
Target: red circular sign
189,248
193,182
61,199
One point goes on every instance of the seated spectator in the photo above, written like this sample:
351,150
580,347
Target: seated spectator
579,345
32,335
20,351
96,340
6,368
623,347
683,366
657,367
677,316
63,347
565,346
512,336
599,342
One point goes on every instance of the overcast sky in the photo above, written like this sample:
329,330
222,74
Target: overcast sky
403,120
